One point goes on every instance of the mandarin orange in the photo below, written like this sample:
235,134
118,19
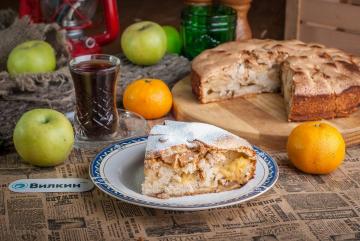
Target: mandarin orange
150,98
316,147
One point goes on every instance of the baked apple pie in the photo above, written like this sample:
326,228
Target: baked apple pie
193,158
316,82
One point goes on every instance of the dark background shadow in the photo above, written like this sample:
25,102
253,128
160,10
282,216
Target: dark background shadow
266,17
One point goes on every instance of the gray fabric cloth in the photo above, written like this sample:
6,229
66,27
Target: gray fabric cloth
7,17
170,69
24,92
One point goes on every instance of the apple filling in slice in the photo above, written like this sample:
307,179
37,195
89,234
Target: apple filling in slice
196,171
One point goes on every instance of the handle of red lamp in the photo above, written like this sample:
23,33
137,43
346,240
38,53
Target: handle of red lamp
111,22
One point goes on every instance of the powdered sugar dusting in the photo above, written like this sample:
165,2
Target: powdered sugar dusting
174,133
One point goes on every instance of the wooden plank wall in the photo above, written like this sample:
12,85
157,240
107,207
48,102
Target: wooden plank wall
335,23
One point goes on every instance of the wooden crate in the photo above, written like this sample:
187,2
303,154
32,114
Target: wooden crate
334,23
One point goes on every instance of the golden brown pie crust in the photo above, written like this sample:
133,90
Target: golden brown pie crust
325,82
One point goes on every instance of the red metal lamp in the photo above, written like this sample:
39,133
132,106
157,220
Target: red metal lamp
75,16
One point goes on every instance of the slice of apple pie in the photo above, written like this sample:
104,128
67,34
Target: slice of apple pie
193,158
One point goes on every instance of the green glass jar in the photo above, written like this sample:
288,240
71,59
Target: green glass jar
206,26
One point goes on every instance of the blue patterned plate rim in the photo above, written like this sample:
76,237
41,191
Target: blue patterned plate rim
101,183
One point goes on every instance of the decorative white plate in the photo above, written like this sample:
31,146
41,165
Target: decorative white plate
118,171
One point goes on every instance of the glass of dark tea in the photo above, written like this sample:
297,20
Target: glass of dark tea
97,118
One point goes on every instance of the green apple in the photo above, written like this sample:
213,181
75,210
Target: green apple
34,56
174,42
144,43
43,137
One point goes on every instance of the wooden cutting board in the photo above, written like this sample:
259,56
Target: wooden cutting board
259,118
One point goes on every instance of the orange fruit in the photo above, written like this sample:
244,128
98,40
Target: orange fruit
150,98
316,147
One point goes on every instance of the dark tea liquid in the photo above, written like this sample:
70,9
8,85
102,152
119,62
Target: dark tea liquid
95,89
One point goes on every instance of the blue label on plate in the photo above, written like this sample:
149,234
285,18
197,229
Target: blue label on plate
52,185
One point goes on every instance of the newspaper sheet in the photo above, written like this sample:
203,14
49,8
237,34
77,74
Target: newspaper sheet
299,207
